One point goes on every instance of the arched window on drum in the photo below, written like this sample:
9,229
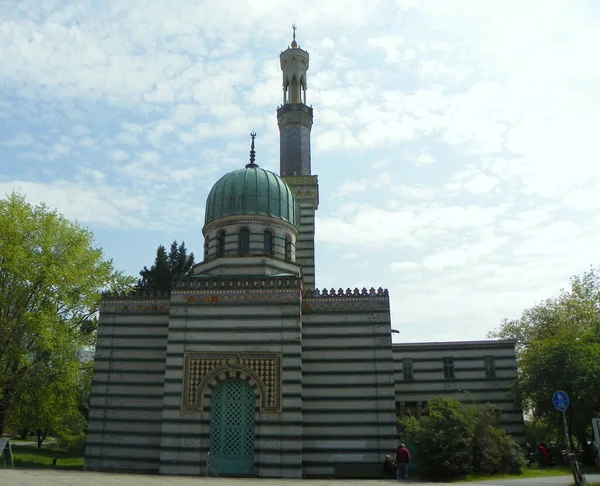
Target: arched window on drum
268,243
244,242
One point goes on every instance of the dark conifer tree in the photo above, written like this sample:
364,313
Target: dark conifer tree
167,269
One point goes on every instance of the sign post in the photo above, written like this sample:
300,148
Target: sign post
561,403
6,450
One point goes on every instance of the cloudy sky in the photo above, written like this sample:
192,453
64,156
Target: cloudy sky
456,141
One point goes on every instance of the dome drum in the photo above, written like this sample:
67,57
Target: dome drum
256,236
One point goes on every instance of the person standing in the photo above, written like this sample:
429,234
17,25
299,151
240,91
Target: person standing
402,460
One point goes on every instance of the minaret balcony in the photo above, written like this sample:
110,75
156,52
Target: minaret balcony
289,107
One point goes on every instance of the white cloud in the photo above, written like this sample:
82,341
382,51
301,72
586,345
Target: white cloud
454,138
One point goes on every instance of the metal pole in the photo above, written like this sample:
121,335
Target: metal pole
564,416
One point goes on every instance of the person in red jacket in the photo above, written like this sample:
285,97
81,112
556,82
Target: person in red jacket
402,459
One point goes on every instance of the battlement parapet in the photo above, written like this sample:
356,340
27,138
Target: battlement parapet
380,292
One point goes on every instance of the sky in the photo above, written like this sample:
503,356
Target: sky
456,141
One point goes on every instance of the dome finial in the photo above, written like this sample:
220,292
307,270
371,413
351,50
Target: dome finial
294,43
252,165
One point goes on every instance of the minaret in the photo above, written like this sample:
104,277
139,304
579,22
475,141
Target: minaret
295,120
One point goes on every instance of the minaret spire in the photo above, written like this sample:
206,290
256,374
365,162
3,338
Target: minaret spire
294,43
252,165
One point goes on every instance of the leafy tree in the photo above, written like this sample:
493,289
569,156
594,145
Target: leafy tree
454,439
559,349
51,279
167,269
48,401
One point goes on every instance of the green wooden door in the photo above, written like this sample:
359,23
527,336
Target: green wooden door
232,428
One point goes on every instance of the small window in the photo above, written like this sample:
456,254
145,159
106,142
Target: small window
221,244
268,243
448,368
407,368
205,248
288,248
490,366
244,242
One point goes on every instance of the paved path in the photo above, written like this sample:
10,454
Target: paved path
45,477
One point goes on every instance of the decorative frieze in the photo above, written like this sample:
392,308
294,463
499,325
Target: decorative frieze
245,283
203,369
251,297
148,307
136,295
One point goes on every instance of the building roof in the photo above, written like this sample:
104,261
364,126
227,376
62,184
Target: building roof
250,191
458,344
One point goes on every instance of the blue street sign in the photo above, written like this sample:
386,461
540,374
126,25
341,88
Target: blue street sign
560,400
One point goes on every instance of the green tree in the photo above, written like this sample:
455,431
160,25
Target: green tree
559,349
51,279
48,401
167,269
454,439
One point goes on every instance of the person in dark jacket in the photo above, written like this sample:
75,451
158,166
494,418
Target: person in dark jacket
389,467
402,459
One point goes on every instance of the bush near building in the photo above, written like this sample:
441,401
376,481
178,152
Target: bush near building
453,439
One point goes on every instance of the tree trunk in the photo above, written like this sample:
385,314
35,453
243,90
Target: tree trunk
23,434
41,436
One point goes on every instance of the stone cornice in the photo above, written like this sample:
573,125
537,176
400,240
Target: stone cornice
267,221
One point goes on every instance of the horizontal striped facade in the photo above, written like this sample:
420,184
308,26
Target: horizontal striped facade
347,383
341,379
306,192
124,421
469,382
257,326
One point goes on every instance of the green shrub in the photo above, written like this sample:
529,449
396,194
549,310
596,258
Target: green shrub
452,440
71,443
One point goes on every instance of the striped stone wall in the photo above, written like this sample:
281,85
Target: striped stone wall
470,383
306,192
347,381
223,328
124,423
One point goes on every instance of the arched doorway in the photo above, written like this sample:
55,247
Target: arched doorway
232,428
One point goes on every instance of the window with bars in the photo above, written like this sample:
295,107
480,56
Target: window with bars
490,366
448,368
407,368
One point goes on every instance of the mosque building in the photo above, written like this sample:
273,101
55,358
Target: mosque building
246,369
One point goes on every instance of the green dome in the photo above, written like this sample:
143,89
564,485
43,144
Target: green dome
250,191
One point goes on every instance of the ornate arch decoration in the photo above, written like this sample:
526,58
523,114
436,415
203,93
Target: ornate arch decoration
203,371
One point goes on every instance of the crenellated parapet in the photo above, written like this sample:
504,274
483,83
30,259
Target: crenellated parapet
347,300
348,293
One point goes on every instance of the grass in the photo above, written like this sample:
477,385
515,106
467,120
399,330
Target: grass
532,473
26,456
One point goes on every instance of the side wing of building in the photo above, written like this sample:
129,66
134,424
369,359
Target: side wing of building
124,422
471,371
347,382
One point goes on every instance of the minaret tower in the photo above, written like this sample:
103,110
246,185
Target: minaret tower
295,120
